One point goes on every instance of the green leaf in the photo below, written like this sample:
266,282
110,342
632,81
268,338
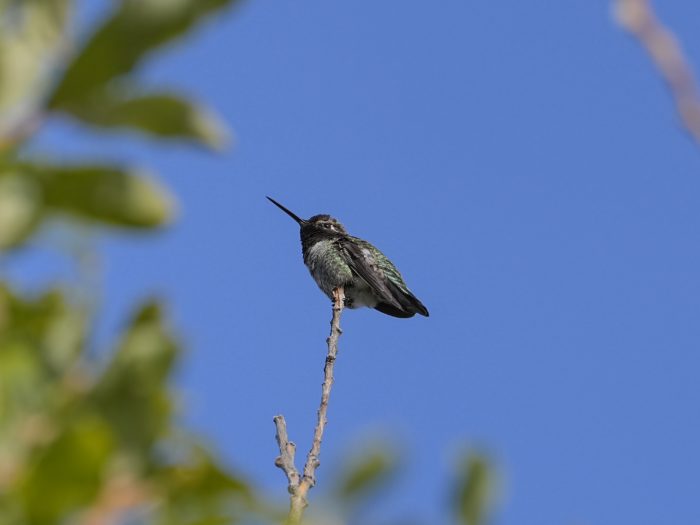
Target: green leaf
31,35
68,473
41,339
133,392
158,114
20,209
365,473
49,323
106,194
21,390
473,490
137,28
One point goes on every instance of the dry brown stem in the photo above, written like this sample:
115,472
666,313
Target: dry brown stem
639,18
299,485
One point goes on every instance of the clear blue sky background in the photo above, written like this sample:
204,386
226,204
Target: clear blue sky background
522,164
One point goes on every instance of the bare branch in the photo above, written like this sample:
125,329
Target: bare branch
285,460
312,460
638,17
299,488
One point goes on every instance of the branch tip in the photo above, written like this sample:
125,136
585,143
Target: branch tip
299,484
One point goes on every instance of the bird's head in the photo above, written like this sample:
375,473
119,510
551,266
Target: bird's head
319,223
326,223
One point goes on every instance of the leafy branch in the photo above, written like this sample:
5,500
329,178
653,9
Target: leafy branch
44,75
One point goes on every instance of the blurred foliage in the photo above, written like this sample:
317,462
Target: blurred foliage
32,35
83,439
109,195
87,436
86,440
365,473
96,86
473,490
160,114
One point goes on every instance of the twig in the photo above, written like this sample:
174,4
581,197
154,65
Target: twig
299,486
638,17
285,460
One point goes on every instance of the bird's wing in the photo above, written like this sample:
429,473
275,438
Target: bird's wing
362,260
394,312
409,302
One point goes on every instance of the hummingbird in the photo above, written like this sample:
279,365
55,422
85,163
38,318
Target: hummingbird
335,258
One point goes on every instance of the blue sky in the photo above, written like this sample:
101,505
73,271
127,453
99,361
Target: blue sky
522,164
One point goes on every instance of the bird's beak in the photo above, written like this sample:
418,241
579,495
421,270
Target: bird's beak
300,222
